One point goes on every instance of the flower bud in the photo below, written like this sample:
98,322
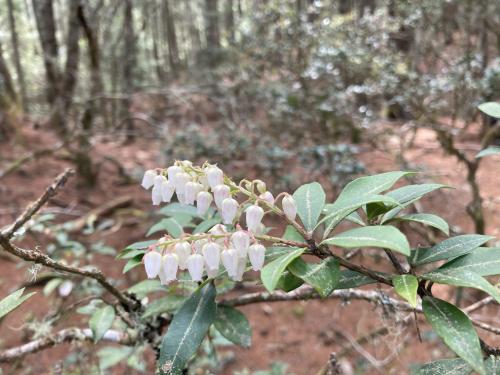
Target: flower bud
254,215
242,265
170,264
152,263
156,196
183,250
241,241
289,207
257,253
148,179
65,288
211,252
229,210
203,201
172,171
268,197
190,191
221,192
229,259
215,176
167,191
195,264
261,186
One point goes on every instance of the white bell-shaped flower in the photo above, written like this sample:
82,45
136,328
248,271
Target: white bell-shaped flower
289,207
198,245
148,178
167,191
195,265
240,270
203,201
156,197
228,210
212,273
163,277
170,264
256,254
203,180
152,263
218,230
241,242
229,259
254,215
180,180
181,197
172,171
211,252
158,181
183,251
221,192
268,197
190,191
215,176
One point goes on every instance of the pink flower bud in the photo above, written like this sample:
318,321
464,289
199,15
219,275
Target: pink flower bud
170,264
257,253
268,197
289,207
183,251
241,241
215,176
254,215
152,263
148,179
167,191
195,265
229,210
211,252
229,259
221,192
203,201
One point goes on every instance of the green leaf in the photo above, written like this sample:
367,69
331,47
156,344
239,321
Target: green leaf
292,234
146,286
450,248
170,225
406,286
167,304
132,263
428,219
455,366
338,211
288,282
274,252
12,301
101,320
493,150
187,330
205,225
111,356
310,200
456,330
355,218
233,325
176,208
132,253
272,271
491,109
463,278
352,279
484,261
322,276
386,237
140,245
51,286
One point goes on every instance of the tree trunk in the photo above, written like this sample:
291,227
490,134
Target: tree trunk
212,24
129,62
229,18
17,58
8,99
170,35
194,32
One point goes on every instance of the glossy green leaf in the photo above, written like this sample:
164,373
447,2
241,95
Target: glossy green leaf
456,330
355,218
101,320
132,263
167,304
292,234
322,276
233,325
484,261
463,278
169,225
450,248
406,286
492,150
176,208
491,109
386,237
428,219
310,200
272,271
455,366
187,330
205,225
352,279
12,301
146,286
288,282
136,246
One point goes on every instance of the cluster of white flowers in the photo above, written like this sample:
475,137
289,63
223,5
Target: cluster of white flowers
200,186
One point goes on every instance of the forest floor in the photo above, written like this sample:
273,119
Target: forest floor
300,334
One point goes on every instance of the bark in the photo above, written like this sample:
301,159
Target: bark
129,62
17,58
8,99
171,37
212,24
